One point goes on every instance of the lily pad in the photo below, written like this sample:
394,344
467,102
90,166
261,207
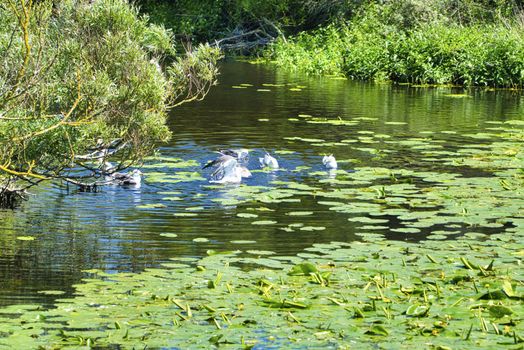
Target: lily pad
263,222
169,235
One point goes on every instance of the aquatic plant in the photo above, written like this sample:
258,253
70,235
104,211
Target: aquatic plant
365,293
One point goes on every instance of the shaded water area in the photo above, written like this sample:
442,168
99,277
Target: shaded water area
371,125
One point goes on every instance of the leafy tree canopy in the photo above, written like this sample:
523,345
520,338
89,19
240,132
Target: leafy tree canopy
85,81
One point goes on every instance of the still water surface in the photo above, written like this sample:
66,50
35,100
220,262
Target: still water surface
105,230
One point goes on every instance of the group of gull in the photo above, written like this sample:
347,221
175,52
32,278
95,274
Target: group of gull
230,165
229,168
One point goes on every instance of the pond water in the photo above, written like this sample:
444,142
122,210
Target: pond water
176,213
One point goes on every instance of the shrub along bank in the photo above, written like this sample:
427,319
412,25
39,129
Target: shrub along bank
373,47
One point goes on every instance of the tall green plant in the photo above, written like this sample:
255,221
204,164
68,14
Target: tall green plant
403,42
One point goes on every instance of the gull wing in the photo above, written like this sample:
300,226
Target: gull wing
218,161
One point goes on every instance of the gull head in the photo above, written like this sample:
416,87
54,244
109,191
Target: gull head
241,154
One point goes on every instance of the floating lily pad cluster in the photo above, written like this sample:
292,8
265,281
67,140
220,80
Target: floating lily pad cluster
467,293
267,87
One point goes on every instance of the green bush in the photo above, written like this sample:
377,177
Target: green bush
383,44
319,52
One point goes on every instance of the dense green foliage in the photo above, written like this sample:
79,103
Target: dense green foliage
212,19
474,42
80,77
201,20
435,54
413,44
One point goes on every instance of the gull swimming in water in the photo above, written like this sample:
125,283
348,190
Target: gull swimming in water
329,162
225,160
268,161
228,166
131,178
124,179
228,170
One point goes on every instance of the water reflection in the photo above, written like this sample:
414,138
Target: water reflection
106,230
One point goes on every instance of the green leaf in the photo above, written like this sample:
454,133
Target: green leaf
417,310
508,289
303,269
493,295
499,311
25,238
377,329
